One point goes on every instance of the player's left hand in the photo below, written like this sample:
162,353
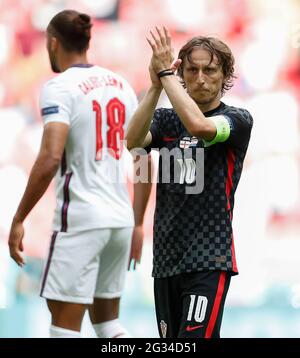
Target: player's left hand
136,246
15,242
163,53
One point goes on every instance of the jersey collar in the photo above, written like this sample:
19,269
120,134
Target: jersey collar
82,65
212,111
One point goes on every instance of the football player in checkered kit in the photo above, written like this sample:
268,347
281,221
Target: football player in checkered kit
193,252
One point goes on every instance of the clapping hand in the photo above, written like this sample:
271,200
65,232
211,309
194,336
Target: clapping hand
163,54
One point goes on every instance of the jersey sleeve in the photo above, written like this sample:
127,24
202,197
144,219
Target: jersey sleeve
55,103
156,130
240,122
233,128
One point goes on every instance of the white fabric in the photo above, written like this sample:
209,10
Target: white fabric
96,195
111,329
59,332
87,264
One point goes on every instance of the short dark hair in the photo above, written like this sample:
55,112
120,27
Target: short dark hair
215,47
73,29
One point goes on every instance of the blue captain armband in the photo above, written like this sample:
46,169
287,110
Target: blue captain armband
223,131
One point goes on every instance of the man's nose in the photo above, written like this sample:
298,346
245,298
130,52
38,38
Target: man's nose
200,78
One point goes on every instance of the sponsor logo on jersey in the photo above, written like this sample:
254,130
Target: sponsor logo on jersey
163,328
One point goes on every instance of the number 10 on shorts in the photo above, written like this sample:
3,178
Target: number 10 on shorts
198,305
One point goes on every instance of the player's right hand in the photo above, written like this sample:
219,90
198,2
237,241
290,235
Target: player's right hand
15,242
136,246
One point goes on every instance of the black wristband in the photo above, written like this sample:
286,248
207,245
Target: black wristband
163,73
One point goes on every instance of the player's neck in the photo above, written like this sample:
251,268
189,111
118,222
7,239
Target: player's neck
206,107
73,59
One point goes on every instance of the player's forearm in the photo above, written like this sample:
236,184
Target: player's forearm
40,177
139,125
186,108
141,194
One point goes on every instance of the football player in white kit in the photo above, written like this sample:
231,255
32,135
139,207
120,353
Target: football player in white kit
85,111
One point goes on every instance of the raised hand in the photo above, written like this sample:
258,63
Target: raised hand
163,54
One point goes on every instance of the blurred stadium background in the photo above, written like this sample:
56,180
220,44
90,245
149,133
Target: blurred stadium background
264,300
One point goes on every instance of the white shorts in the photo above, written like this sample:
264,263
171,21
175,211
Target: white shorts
86,264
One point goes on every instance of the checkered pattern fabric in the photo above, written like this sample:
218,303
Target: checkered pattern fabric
193,232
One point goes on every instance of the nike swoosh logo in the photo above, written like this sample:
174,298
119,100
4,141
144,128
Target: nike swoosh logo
193,328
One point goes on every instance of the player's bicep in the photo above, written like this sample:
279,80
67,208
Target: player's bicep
54,140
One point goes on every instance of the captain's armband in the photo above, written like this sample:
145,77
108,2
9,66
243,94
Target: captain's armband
223,130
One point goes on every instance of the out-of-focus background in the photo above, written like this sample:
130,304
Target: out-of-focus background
264,35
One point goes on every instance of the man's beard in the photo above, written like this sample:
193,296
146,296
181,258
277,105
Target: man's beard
53,64
206,99
54,68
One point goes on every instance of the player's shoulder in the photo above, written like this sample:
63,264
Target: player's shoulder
56,83
237,112
107,72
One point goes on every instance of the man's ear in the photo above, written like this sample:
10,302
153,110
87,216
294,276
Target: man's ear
54,43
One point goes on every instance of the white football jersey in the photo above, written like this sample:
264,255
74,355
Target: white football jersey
91,187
